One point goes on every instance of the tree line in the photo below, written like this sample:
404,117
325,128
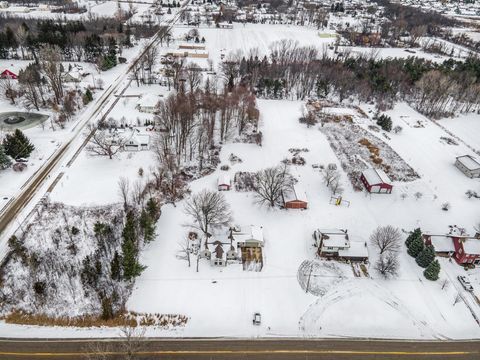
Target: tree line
291,71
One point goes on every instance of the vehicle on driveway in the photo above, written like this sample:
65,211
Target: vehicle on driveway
257,319
465,283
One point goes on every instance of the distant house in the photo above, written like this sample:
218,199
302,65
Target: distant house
250,242
224,182
295,198
72,76
7,74
137,142
336,244
468,165
376,181
148,103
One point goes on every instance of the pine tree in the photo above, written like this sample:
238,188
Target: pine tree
385,122
426,256
131,267
17,145
417,233
87,97
416,246
146,223
115,267
432,271
5,161
152,208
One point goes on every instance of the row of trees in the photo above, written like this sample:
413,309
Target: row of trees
87,40
297,72
424,254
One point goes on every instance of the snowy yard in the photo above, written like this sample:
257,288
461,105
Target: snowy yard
409,306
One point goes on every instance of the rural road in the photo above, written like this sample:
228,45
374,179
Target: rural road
275,349
11,211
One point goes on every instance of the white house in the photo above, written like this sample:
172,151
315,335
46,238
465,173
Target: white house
336,243
148,103
136,141
250,236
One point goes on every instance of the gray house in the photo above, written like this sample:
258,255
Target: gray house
468,165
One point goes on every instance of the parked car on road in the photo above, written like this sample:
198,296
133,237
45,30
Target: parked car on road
257,319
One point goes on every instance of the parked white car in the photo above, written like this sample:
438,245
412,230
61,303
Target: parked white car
465,283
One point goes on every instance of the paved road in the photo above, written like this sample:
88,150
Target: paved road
275,349
35,183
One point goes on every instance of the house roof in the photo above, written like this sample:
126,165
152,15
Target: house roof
250,233
295,193
469,162
442,243
148,100
224,179
334,238
357,249
376,176
471,246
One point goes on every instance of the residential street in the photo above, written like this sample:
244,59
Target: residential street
277,349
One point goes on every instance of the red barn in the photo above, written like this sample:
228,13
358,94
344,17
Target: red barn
295,198
7,74
376,181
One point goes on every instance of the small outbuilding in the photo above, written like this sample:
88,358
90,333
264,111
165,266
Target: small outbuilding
224,183
376,181
294,198
468,165
148,103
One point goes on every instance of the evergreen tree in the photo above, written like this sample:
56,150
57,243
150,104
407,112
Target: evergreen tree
385,122
131,267
426,256
87,97
432,271
152,208
417,233
416,246
5,161
115,267
17,145
146,223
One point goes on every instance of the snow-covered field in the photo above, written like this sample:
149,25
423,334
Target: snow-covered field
409,306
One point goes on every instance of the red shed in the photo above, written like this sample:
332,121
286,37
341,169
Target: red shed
376,181
7,74
295,198
224,183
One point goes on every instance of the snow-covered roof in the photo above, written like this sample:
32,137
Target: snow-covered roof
376,176
295,193
224,179
334,238
250,233
148,100
469,162
442,243
356,249
472,246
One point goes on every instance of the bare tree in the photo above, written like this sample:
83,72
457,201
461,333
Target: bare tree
386,239
330,175
104,142
133,339
50,58
9,89
208,209
271,183
336,187
194,76
388,265
185,250
124,190
99,350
